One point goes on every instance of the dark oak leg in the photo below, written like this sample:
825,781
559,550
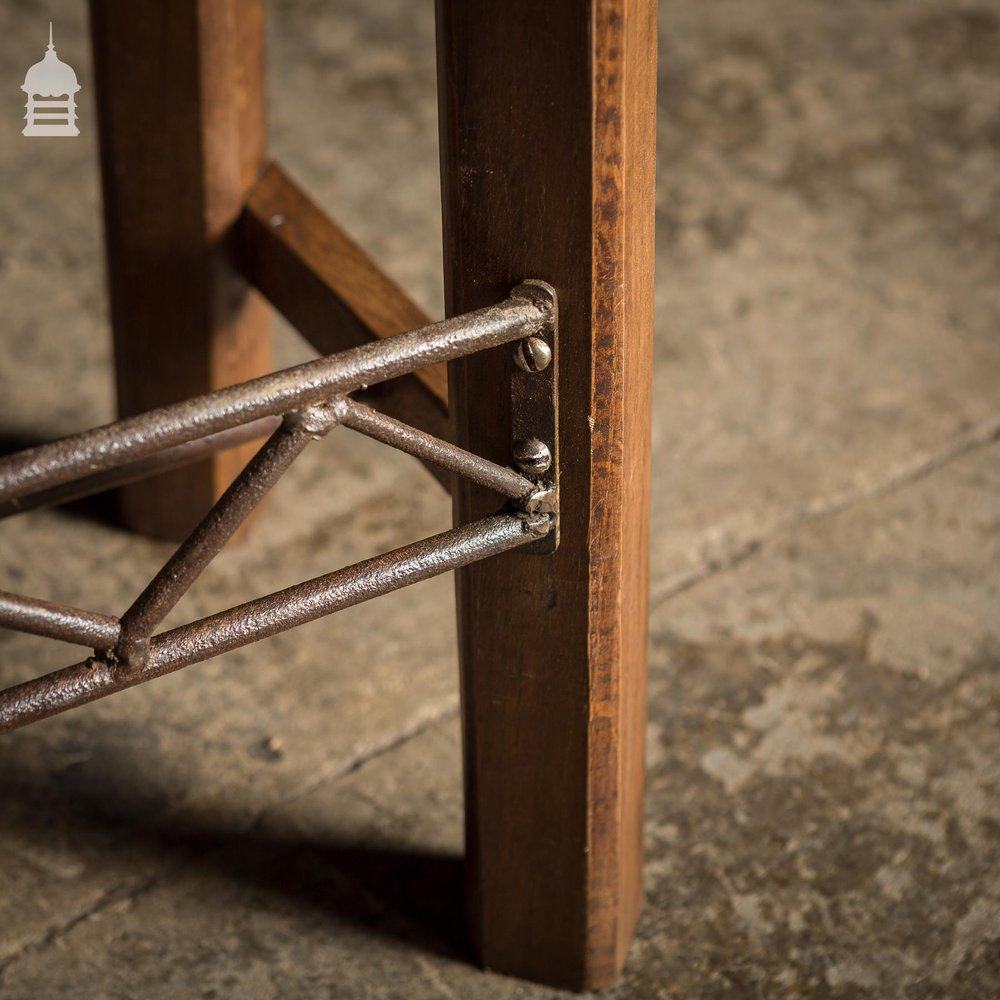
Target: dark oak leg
547,141
180,96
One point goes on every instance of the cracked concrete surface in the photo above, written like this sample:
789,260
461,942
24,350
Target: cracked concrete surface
823,745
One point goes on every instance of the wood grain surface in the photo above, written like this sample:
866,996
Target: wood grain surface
180,99
547,138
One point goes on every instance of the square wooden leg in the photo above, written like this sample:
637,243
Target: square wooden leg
547,115
180,99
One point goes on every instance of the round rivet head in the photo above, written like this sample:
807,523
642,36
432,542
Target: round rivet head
532,354
532,456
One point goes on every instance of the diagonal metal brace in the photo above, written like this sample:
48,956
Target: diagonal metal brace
312,399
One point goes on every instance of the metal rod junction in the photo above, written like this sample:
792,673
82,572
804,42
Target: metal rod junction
312,398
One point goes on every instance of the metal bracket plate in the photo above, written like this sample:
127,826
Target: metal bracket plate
535,412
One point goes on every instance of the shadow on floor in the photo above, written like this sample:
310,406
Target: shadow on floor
113,797
394,891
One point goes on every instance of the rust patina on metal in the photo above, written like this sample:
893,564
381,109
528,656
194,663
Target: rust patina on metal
279,393
142,468
309,400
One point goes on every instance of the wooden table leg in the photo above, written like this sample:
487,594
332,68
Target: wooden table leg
547,139
180,99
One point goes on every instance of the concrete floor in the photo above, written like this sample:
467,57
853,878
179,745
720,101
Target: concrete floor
824,747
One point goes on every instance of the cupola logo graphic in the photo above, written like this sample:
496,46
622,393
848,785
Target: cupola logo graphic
50,78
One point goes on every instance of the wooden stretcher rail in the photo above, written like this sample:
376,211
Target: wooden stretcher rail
332,292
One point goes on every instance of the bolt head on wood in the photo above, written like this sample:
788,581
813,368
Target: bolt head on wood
532,456
532,354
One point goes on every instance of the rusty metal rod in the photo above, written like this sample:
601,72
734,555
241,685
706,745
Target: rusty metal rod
57,621
218,525
280,392
161,461
424,446
266,616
